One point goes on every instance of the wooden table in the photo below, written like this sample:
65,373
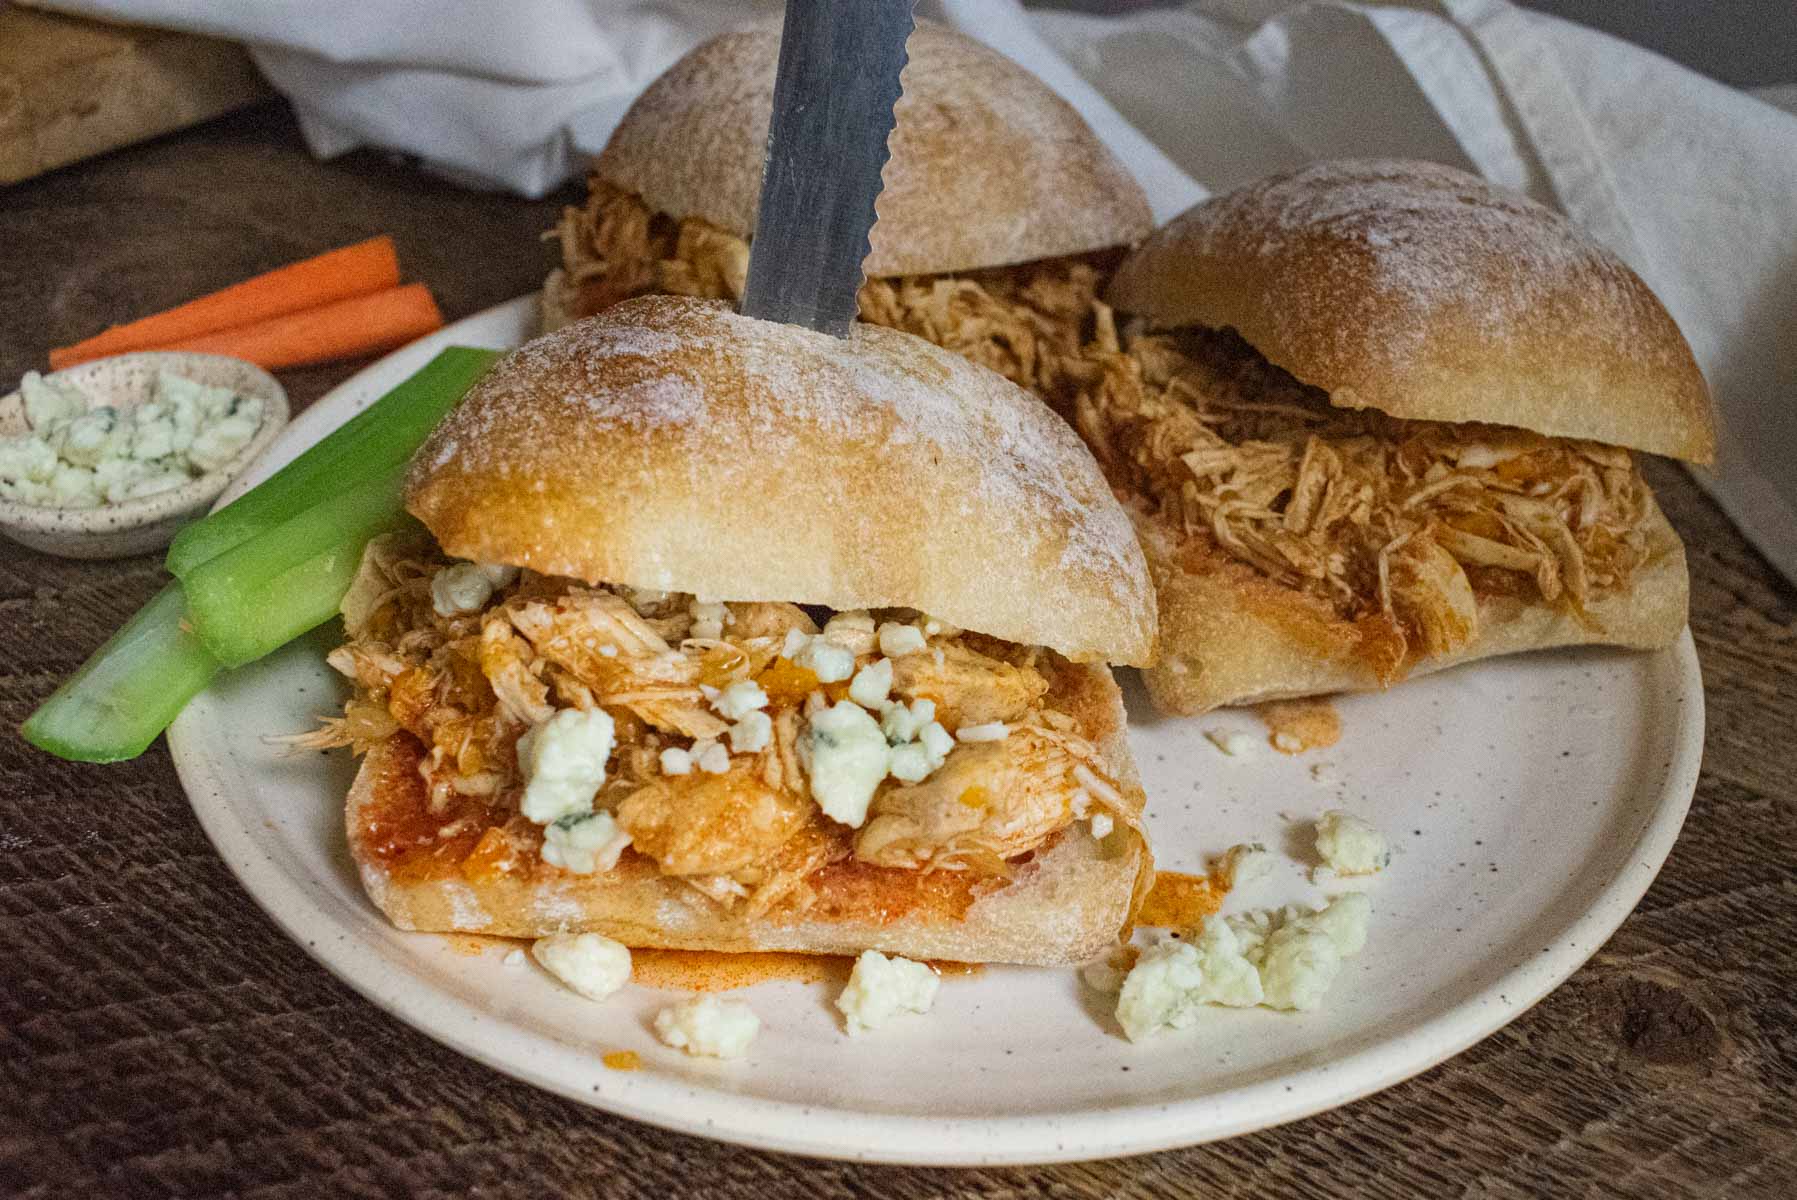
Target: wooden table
159,1036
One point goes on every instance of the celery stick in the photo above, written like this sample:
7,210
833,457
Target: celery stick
387,432
266,591
128,692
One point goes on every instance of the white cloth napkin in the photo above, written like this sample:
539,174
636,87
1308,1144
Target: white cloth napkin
1692,182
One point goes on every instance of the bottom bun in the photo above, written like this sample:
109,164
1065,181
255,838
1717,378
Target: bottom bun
1230,635
1067,903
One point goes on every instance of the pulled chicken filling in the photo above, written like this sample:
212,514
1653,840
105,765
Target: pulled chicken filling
1024,322
743,747
1399,526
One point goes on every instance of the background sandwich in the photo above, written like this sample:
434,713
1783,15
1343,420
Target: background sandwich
1378,418
729,635
1001,217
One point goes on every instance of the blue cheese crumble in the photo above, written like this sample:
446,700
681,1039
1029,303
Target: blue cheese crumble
1280,958
846,756
588,963
466,587
563,761
708,1026
881,988
583,843
1349,845
80,456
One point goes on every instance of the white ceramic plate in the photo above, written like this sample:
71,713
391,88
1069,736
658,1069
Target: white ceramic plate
1530,800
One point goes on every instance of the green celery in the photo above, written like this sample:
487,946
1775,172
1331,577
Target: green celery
262,593
128,692
384,434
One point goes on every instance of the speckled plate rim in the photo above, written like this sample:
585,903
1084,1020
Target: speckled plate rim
1378,1059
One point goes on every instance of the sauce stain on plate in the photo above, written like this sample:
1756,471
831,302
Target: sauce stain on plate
1180,901
1294,726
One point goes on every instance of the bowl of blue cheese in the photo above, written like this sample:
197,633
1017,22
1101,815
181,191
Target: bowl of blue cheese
112,457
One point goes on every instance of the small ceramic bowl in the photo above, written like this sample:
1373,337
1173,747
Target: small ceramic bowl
148,522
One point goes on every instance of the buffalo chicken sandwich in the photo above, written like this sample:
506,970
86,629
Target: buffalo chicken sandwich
1001,217
1378,418
729,635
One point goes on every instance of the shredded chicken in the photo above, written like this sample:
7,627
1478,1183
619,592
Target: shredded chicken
1399,525
699,824
966,686
987,804
745,833
1025,322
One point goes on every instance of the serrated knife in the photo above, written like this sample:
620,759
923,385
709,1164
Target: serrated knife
836,84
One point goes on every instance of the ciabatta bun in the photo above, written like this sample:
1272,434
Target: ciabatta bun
1230,635
989,167
1066,904
670,443
1429,294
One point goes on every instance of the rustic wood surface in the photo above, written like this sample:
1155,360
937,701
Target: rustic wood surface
158,1036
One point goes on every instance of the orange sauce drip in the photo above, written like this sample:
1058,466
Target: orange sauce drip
1180,901
398,828
489,858
950,970
713,971
622,1060
1294,726
473,945
785,682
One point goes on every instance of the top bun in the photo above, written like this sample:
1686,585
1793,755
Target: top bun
670,443
1428,294
988,167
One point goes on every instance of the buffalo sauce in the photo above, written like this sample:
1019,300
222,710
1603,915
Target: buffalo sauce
1180,901
621,1060
1294,726
398,828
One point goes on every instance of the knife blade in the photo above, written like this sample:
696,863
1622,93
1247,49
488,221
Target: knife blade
837,80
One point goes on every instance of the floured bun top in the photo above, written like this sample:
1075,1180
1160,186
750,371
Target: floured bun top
1427,293
988,168
670,443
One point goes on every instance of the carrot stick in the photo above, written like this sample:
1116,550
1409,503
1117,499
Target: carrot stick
346,329
358,270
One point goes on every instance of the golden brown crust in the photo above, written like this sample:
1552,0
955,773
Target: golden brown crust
1067,904
1427,293
669,443
1231,636
989,167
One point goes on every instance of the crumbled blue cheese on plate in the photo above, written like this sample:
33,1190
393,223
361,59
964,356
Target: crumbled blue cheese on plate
591,964
881,988
1280,958
706,1025
1350,845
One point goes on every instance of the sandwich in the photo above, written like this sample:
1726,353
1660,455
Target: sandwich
1376,418
1001,217
722,634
